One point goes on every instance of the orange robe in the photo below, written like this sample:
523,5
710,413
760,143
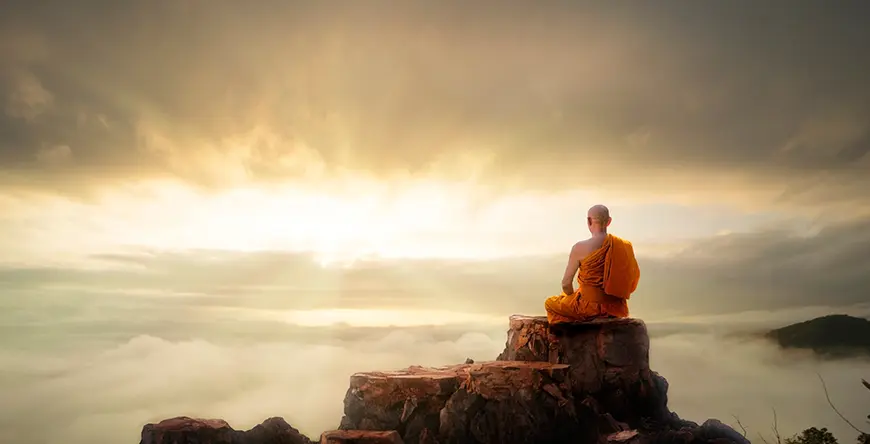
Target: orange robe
607,278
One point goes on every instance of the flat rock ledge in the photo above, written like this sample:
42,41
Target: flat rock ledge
186,430
489,402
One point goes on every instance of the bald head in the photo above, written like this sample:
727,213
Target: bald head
599,213
598,218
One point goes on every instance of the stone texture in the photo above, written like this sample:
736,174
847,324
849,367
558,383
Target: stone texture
529,339
609,361
408,401
186,430
183,430
489,402
361,437
516,402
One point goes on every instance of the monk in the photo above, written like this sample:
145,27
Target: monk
608,275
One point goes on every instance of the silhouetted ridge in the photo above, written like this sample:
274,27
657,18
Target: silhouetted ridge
839,335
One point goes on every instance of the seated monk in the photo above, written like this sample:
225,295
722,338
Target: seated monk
608,275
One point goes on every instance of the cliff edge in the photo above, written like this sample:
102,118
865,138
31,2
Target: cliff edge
578,383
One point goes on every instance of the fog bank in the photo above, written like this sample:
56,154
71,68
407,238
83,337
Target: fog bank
101,388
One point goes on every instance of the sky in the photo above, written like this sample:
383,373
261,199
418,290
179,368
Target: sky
728,140
371,164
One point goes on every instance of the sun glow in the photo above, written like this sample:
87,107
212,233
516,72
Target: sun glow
366,317
340,224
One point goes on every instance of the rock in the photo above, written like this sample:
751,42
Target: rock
609,361
626,437
617,342
516,402
183,429
408,401
490,402
186,430
361,437
273,431
713,430
529,339
682,436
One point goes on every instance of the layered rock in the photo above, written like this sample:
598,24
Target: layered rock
490,402
186,430
609,360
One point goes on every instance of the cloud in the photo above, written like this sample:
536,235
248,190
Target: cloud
28,98
642,101
720,274
100,380
148,378
54,155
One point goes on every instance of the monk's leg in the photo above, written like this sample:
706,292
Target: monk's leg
560,308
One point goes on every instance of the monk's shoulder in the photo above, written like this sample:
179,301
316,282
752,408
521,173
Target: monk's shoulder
582,247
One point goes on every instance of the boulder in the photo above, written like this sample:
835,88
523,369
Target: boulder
489,402
361,437
408,401
186,430
609,360
183,430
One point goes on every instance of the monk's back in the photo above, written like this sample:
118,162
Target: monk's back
588,246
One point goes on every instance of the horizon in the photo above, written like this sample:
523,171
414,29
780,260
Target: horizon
214,183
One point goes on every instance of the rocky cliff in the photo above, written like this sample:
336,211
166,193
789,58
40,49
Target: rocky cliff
580,383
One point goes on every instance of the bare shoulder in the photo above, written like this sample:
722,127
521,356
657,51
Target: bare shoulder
582,248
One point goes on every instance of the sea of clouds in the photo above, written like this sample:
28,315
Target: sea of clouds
96,373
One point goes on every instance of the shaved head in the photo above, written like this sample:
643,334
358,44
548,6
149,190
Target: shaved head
599,213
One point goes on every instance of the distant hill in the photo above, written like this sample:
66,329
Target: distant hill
833,335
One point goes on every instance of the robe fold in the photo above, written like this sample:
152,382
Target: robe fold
607,278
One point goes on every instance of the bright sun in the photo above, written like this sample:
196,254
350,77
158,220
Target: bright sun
338,223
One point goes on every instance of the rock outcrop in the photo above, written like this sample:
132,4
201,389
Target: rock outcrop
577,383
183,430
609,360
489,402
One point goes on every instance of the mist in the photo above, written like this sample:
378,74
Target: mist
98,374
92,351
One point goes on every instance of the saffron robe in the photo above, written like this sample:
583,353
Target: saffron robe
607,278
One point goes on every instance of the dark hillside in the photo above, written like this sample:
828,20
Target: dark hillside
839,335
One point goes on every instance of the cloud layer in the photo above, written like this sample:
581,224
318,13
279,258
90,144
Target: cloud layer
98,378
758,102
726,273
127,338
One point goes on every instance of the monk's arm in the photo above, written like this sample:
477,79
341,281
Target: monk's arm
571,270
